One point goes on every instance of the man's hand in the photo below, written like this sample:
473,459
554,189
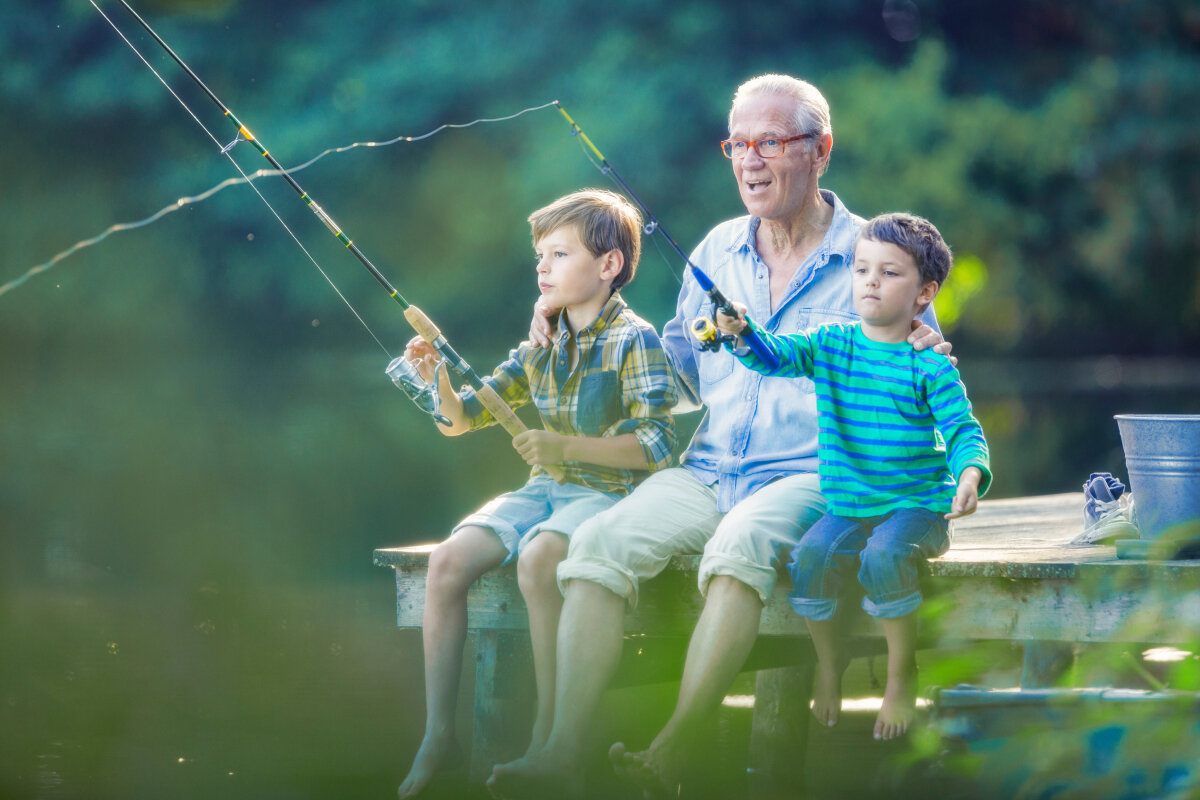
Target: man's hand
541,327
924,337
967,498
541,447
732,326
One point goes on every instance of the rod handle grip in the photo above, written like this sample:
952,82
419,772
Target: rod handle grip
756,344
422,324
509,420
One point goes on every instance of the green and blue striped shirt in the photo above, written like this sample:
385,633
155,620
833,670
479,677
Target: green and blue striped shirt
621,383
895,427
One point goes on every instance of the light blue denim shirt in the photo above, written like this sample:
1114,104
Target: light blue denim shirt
757,428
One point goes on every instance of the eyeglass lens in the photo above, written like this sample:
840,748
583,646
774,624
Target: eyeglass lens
766,148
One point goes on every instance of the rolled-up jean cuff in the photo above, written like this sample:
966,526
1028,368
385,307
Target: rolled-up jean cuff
507,533
601,571
891,609
759,578
809,608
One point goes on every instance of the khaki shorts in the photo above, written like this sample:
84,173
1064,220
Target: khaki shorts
672,513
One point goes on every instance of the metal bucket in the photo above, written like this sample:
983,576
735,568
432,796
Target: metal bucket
1162,456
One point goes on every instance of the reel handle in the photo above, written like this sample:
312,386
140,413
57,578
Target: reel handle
711,338
707,335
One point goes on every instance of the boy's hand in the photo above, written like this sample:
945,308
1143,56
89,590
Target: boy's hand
732,326
423,356
541,327
539,447
967,498
924,337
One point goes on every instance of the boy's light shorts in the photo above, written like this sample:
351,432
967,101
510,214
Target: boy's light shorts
542,504
673,513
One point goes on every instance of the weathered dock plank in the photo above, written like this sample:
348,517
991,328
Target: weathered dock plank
1010,574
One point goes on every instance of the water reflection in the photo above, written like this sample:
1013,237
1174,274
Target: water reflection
159,691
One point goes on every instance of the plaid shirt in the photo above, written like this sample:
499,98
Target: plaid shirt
621,384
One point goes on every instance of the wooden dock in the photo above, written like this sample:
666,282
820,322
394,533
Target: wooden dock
1010,574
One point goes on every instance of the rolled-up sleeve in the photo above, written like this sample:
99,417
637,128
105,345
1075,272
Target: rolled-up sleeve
509,381
647,397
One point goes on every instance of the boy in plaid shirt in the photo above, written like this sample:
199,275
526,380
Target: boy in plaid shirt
604,392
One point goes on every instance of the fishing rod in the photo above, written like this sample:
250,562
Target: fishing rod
403,374
702,328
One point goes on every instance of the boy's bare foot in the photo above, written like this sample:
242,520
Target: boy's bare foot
536,775
537,741
827,693
655,770
899,705
434,755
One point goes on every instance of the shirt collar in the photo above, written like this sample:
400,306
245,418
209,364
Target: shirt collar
612,309
839,239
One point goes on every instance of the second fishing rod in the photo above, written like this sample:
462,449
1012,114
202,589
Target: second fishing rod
702,328
399,370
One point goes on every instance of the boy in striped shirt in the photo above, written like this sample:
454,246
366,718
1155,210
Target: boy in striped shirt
900,454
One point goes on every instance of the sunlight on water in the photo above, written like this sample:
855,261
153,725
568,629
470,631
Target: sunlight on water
852,704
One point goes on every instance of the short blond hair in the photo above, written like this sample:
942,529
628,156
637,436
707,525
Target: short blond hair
603,220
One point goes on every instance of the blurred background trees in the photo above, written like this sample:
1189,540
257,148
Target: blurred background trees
190,405
201,369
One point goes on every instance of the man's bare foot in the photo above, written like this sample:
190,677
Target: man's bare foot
899,705
536,775
655,770
434,755
827,693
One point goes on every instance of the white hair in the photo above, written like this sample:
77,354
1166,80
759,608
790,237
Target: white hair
812,109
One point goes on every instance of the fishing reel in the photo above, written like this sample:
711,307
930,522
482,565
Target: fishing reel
424,393
707,334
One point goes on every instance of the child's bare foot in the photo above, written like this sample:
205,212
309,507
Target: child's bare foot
537,741
827,693
541,774
899,704
656,770
435,754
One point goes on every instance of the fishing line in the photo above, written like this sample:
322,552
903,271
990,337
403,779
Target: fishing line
225,151
650,226
703,329
417,389
246,178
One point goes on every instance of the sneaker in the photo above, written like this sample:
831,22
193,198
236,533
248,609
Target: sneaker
1107,511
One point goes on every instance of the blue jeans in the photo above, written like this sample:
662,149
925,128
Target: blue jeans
886,552
540,505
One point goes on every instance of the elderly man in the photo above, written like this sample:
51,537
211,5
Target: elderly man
746,488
